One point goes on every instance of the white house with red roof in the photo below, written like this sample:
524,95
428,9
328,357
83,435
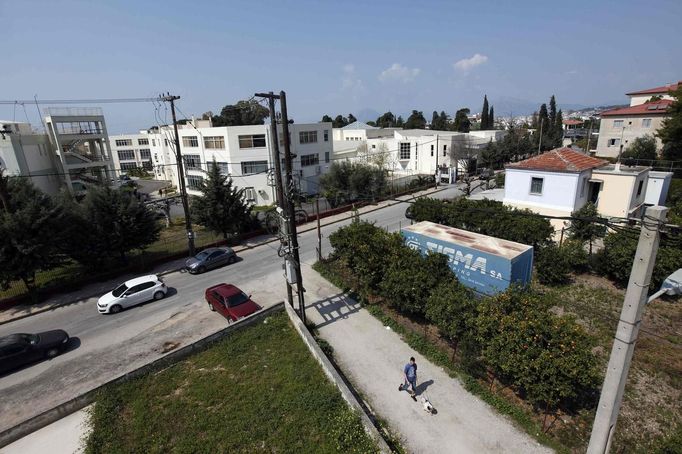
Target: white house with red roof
645,114
561,181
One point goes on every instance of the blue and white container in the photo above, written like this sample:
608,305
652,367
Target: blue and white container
486,264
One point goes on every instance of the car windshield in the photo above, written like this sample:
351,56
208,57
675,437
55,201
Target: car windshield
31,338
118,291
201,255
236,300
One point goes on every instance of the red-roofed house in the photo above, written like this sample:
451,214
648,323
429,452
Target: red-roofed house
561,181
623,125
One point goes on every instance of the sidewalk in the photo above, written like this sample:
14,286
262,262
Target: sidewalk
92,291
372,357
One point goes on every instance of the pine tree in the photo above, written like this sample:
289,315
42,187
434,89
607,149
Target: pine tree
443,121
491,118
415,121
351,119
222,207
399,123
435,121
31,232
326,119
484,113
461,122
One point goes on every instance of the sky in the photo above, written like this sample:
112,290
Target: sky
333,57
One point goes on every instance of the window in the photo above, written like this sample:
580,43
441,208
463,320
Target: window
156,157
215,142
326,135
617,123
124,142
374,146
252,141
613,142
124,155
250,194
192,161
128,165
310,160
146,154
326,156
190,141
254,167
639,188
646,123
536,185
165,141
223,167
582,187
153,142
307,137
143,141
404,151
194,181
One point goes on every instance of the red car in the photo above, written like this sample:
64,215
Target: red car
231,302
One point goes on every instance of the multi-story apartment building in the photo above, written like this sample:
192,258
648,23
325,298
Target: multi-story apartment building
644,116
151,150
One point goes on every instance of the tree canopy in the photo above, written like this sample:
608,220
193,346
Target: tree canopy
670,132
350,181
387,120
240,114
416,120
326,119
461,121
485,113
221,207
641,148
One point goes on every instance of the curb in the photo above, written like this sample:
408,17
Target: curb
243,248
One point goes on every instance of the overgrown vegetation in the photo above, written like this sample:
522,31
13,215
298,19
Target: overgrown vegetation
259,390
348,182
513,338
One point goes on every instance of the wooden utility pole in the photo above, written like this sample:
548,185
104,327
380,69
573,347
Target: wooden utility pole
626,332
181,175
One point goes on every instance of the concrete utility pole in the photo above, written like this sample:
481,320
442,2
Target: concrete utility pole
181,175
291,211
319,233
542,122
627,331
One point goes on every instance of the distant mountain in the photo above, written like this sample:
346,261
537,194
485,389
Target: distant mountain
504,106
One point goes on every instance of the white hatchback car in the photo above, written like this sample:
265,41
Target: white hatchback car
131,293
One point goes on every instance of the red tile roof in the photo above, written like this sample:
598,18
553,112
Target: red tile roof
652,91
572,122
559,160
648,108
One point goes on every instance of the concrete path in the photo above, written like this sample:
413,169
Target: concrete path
61,437
372,357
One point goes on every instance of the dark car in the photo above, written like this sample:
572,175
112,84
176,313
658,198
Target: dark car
212,257
231,302
19,349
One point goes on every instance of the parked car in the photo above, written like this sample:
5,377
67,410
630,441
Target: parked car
19,349
212,257
231,302
132,293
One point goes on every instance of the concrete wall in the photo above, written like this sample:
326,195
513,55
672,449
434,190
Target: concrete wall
618,195
560,191
633,130
30,154
641,99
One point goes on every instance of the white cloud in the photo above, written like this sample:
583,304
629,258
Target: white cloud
467,64
349,79
399,72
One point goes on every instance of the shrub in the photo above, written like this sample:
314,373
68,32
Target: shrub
499,180
451,307
584,230
552,265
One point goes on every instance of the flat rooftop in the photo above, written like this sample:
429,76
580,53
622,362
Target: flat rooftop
484,243
624,170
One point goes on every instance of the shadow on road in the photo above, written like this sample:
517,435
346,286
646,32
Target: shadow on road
73,344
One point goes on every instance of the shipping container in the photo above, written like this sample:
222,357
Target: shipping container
486,264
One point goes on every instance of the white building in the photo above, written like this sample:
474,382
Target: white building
242,152
619,127
24,152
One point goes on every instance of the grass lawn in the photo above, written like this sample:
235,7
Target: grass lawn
258,390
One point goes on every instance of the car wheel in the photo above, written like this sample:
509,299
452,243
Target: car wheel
51,353
115,309
158,295
202,269
231,260
210,306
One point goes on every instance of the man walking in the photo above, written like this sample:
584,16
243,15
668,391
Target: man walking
410,376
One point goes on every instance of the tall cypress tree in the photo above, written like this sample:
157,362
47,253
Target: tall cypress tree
443,121
484,113
552,112
435,121
491,118
559,128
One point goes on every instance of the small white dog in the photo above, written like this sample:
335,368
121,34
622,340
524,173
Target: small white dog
426,404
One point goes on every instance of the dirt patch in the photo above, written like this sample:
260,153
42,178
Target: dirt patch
168,346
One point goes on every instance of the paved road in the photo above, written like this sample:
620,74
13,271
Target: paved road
107,346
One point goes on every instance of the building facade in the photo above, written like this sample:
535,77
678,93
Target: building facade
644,116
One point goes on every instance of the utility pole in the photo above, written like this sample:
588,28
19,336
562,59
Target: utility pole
286,209
274,154
437,169
589,133
626,332
181,175
291,209
542,121
319,234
